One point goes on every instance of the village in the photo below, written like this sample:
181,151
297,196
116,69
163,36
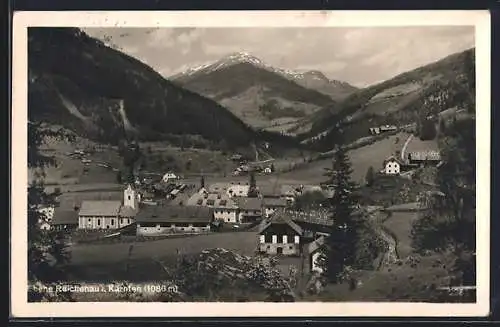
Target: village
253,212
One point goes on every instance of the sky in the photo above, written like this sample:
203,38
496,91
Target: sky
360,56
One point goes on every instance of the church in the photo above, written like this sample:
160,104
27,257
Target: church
109,214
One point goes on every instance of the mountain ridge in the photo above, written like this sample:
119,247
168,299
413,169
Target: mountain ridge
78,82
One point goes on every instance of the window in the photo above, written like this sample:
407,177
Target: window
129,197
90,220
112,222
290,247
98,222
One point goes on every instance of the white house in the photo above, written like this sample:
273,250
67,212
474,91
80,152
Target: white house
392,166
224,208
167,219
169,177
238,190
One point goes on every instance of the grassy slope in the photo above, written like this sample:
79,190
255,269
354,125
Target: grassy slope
399,99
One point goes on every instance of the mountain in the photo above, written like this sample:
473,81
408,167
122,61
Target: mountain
261,95
404,99
78,82
316,80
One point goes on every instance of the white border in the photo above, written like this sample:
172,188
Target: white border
21,20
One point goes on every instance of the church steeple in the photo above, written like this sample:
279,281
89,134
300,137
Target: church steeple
130,197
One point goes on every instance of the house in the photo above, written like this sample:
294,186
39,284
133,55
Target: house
225,208
280,236
424,157
392,166
64,219
250,209
374,130
289,192
388,128
268,170
167,219
109,214
269,191
169,177
99,215
313,252
273,204
238,189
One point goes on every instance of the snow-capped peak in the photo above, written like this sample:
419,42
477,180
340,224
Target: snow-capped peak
245,57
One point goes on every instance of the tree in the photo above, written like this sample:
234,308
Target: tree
47,249
272,168
449,221
342,241
428,130
252,191
370,176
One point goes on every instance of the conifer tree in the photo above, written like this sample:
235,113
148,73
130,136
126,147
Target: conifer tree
341,246
252,191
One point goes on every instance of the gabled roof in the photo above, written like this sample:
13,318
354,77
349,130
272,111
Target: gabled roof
245,203
175,214
64,217
275,202
219,201
280,218
126,211
392,158
100,208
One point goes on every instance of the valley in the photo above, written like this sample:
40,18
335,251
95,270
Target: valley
223,167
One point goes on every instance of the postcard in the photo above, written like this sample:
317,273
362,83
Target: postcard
260,163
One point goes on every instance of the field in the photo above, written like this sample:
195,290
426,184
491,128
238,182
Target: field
400,224
361,159
96,261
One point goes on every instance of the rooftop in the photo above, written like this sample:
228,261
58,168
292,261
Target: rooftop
275,202
280,218
425,155
245,203
100,208
64,217
214,200
173,214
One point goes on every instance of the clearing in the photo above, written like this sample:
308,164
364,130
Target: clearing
361,159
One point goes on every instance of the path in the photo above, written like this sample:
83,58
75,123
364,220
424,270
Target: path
390,255
403,150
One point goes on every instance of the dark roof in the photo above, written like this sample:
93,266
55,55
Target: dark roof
249,203
126,211
280,218
173,214
100,208
65,217
275,202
